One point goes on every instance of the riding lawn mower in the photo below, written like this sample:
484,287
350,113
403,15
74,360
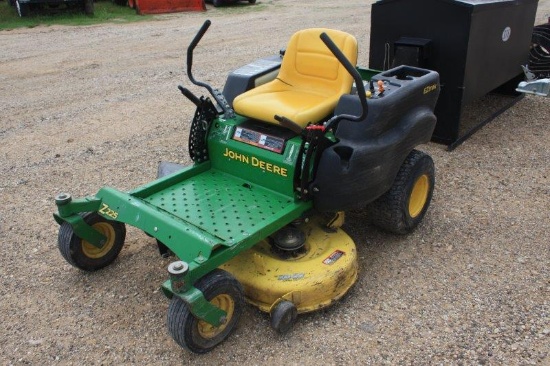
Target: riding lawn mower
292,142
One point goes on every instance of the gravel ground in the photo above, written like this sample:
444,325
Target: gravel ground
88,106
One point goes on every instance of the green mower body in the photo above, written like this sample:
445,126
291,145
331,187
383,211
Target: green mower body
249,180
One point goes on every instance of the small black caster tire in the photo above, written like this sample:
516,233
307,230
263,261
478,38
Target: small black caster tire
22,9
403,207
283,316
222,290
82,254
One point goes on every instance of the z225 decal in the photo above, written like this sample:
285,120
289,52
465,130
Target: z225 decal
107,211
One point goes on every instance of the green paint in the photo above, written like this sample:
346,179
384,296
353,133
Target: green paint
207,213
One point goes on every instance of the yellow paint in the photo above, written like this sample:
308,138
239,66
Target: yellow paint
107,211
311,281
90,250
430,88
224,302
309,84
259,263
255,162
337,220
419,195
236,156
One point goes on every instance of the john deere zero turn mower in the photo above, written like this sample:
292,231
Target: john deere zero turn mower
291,143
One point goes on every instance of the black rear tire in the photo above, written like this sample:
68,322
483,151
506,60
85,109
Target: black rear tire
221,289
403,207
217,3
83,255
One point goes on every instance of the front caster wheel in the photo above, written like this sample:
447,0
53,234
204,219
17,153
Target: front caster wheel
401,209
283,316
222,290
86,256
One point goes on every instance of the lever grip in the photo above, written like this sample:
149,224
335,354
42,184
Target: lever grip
199,35
356,77
285,122
192,46
189,95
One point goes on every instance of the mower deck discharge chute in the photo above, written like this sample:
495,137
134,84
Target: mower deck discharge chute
257,217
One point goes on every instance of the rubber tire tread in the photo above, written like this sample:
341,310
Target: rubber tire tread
279,315
69,244
182,324
390,211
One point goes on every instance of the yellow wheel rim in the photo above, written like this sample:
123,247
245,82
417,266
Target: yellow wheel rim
419,195
224,302
91,251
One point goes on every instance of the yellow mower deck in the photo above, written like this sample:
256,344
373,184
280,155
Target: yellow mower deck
311,280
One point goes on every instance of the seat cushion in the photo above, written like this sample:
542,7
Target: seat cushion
299,105
309,84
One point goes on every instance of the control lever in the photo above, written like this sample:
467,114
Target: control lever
291,125
216,94
358,83
192,97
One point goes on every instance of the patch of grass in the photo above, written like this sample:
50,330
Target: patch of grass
104,11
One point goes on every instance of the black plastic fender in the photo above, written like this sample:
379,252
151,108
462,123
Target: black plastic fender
363,163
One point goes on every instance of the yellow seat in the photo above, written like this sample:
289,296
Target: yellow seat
309,83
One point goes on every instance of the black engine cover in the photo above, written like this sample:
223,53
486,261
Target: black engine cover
363,164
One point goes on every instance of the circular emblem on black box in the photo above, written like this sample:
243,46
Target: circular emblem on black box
506,34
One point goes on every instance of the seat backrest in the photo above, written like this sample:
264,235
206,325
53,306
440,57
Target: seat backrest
308,63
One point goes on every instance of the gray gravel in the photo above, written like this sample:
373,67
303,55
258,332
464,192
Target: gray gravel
88,106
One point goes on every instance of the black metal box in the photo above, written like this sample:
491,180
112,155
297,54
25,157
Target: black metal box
475,45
